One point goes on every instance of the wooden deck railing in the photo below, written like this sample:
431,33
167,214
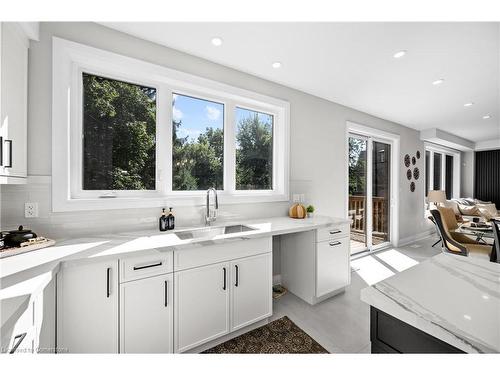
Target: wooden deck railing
357,204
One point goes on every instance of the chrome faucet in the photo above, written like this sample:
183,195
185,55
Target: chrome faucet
211,213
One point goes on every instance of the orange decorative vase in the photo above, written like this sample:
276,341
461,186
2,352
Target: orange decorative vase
297,211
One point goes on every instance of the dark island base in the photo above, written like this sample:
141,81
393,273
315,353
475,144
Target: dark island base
391,335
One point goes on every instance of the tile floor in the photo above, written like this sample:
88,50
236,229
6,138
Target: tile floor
341,323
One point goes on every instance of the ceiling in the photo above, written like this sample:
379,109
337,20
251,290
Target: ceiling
353,64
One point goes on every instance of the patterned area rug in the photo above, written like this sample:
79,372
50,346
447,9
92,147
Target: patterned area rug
281,336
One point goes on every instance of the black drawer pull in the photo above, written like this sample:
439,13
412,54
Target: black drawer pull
224,272
237,275
336,243
335,231
16,345
108,292
9,141
148,266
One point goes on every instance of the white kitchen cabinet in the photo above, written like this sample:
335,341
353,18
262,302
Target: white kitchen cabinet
201,301
315,265
251,290
146,315
13,103
332,265
87,307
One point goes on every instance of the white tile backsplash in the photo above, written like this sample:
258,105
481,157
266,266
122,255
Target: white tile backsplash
74,224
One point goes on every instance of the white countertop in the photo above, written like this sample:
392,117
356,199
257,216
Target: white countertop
453,298
19,268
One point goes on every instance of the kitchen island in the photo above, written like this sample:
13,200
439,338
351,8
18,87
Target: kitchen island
447,304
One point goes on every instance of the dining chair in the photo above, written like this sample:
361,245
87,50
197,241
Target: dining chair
450,245
495,254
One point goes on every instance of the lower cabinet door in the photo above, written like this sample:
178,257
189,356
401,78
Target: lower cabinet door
146,315
201,301
332,265
87,308
251,286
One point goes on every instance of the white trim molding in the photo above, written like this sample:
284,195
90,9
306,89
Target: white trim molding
71,59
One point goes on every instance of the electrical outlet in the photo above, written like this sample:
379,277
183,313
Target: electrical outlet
31,209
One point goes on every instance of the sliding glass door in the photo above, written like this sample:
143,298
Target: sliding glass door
358,192
369,192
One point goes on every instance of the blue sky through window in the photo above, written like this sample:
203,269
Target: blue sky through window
196,115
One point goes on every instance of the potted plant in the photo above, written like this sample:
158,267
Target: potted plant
310,211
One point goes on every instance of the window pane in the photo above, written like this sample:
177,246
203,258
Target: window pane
437,171
449,176
119,132
427,171
198,143
254,150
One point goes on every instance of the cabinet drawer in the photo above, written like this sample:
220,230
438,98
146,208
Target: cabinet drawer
139,267
203,255
332,232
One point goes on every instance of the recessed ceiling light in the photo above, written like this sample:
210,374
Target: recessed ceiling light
438,82
216,41
468,104
276,65
399,54
486,117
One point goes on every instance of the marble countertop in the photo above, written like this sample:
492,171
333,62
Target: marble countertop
453,298
19,268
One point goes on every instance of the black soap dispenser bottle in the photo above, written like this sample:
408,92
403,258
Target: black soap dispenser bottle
170,219
163,222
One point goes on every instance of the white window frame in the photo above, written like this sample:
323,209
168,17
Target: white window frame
433,148
71,59
353,128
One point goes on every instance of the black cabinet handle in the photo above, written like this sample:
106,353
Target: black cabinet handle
148,266
166,293
16,345
335,231
335,243
237,275
224,272
9,141
1,151
108,272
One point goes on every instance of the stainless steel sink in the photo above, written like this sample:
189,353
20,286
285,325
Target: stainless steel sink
212,232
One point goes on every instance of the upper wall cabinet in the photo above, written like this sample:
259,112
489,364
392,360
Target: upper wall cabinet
13,103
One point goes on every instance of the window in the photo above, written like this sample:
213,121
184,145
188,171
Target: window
437,171
254,150
427,171
442,170
119,124
197,143
148,135
449,177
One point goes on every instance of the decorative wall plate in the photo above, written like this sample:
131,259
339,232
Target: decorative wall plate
412,186
413,160
407,160
418,154
416,173
408,174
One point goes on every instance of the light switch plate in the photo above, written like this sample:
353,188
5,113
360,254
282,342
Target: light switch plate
31,209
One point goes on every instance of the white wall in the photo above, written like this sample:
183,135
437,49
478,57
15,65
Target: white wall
467,175
318,166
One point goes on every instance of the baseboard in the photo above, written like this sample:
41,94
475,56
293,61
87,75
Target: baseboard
416,237
276,279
